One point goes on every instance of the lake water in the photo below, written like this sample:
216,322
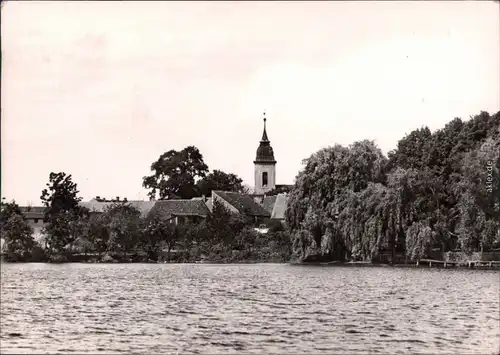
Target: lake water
244,309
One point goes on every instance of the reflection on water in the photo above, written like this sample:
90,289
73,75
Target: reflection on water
264,308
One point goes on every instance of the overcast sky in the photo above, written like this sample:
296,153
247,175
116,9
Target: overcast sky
99,90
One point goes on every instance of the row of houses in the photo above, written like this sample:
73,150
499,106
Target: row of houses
259,208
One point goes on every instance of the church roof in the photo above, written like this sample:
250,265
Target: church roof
280,207
245,204
265,153
268,203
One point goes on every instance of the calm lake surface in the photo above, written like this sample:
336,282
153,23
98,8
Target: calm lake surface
243,309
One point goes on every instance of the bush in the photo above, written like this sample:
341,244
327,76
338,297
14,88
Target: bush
58,258
107,258
275,226
38,255
245,240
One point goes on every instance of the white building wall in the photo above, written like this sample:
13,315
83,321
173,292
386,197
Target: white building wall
271,178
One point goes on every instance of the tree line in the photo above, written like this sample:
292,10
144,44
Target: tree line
121,233
435,191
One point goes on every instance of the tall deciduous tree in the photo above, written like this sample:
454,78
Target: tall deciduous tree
61,201
61,195
175,174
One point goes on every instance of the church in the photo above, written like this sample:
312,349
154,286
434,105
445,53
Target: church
259,206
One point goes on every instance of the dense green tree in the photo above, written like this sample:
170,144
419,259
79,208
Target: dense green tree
222,225
18,237
279,190
62,208
160,233
125,227
436,190
97,233
218,222
479,203
219,180
413,150
245,239
61,195
58,231
7,210
175,174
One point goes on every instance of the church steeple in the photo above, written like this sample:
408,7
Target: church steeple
264,134
264,165
265,153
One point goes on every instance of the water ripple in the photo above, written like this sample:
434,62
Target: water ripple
247,309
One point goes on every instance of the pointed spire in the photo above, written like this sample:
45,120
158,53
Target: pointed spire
265,154
264,134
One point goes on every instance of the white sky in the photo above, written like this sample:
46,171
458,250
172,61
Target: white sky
100,90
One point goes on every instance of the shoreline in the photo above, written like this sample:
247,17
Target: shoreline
491,266
483,265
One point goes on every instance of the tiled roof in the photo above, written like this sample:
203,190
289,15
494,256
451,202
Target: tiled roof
268,203
280,207
243,203
169,208
32,212
209,203
96,206
142,206
38,209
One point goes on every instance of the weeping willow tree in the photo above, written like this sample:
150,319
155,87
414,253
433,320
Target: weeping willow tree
329,212
436,191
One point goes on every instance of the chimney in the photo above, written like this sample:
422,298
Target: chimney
117,198
204,198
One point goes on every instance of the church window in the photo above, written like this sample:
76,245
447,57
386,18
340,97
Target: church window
264,178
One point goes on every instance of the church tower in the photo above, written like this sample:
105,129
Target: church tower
265,165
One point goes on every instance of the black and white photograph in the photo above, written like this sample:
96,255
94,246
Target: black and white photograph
250,177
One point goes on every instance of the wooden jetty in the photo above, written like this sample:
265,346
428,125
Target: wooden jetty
468,263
